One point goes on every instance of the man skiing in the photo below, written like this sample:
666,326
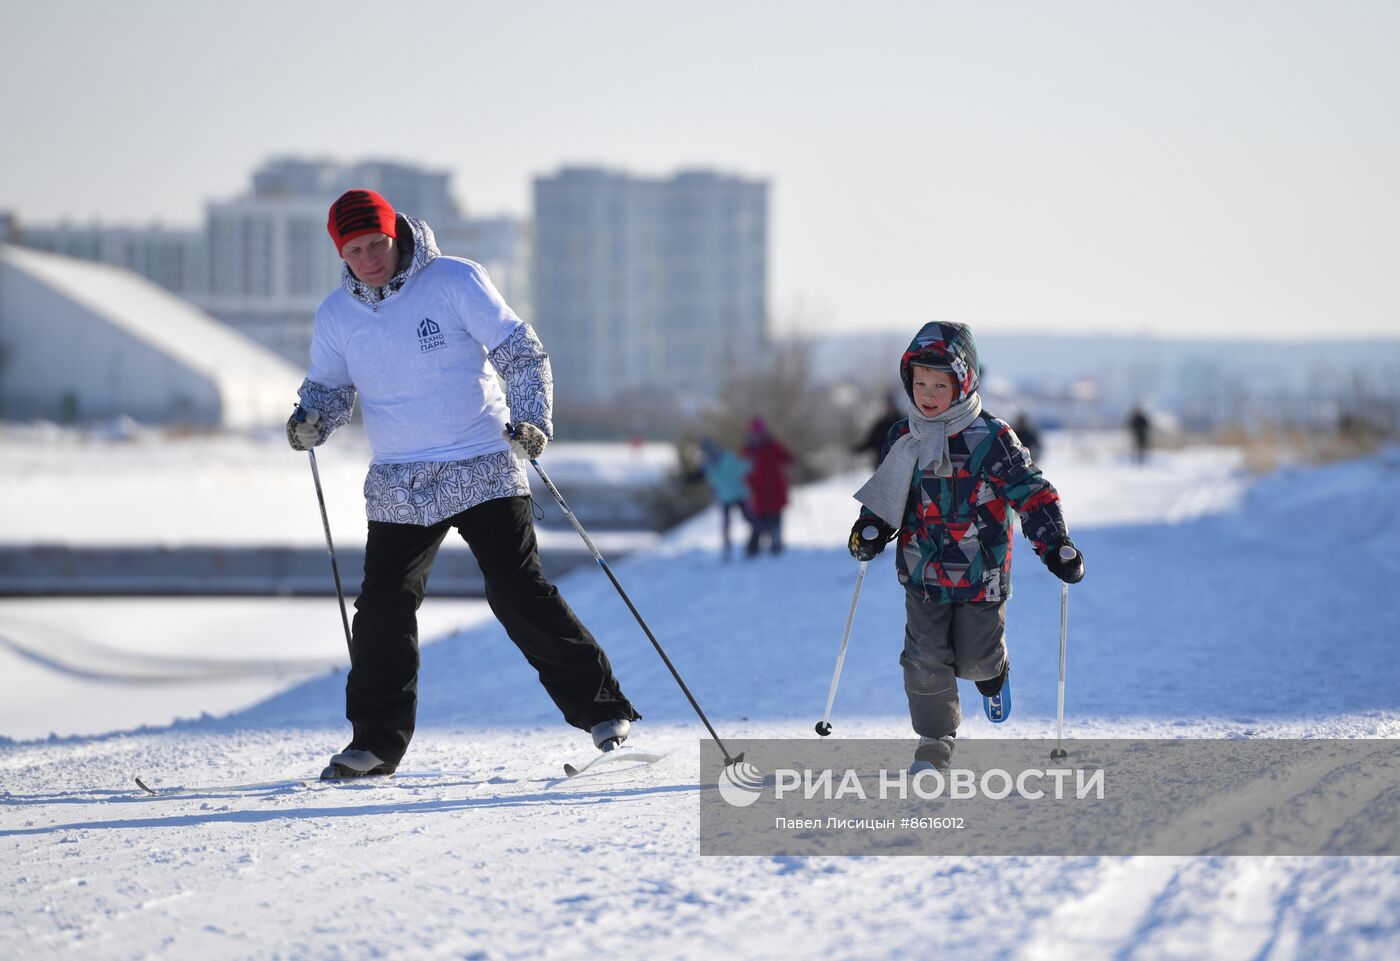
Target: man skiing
421,338
949,476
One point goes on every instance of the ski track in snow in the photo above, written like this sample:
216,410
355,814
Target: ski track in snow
481,849
501,857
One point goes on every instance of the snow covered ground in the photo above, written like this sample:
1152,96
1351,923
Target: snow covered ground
148,487
95,665
1213,607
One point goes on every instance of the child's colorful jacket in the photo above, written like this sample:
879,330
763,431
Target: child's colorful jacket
955,540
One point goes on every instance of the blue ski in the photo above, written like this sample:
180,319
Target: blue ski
998,705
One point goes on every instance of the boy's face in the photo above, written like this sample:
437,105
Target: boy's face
934,390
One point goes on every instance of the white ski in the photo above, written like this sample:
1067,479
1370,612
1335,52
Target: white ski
253,787
611,757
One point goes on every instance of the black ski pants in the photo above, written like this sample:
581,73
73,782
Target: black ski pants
381,693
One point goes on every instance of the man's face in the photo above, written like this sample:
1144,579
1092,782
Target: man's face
934,390
373,258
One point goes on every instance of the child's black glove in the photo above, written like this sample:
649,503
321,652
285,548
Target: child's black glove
868,538
1070,569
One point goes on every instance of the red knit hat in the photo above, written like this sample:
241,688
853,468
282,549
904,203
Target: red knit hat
359,212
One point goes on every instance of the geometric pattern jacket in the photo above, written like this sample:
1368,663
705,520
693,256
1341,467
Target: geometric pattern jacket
955,541
955,538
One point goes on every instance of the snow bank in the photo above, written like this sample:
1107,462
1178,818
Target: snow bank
151,487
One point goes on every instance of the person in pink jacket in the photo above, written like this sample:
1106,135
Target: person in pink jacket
768,487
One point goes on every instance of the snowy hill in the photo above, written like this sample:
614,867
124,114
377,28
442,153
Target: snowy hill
1213,607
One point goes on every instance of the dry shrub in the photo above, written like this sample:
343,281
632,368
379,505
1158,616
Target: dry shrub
1269,447
817,422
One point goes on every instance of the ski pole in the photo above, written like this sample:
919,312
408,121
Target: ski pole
1066,554
597,556
330,547
824,725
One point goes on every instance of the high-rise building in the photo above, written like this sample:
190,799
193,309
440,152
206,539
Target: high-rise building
597,283
296,177
271,263
262,262
646,285
270,266
425,194
501,245
715,278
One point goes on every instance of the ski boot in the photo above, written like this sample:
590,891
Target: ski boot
609,735
933,754
353,762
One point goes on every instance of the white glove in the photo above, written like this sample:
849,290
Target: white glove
526,439
302,432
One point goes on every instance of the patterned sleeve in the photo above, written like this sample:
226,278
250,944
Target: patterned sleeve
1017,479
521,360
334,404
897,430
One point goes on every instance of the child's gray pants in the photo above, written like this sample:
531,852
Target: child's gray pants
943,642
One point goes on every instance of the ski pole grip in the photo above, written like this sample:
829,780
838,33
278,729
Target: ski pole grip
869,532
1068,553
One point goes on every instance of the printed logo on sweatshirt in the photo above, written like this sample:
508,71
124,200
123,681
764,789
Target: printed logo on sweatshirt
430,336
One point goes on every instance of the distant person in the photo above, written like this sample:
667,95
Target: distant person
768,487
725,471
947,474
1028,433
421,339
1140,427
874,440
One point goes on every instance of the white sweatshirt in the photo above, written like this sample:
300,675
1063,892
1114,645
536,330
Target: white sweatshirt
418,361
423,353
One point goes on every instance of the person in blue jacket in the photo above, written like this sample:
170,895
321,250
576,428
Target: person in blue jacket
725,472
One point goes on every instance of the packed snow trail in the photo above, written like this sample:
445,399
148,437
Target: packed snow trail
1203,617
504,860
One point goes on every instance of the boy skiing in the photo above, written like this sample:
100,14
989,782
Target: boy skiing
947,474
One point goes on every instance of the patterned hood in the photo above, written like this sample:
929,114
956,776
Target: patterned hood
947,347
414,235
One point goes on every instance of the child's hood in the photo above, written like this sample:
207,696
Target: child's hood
943,346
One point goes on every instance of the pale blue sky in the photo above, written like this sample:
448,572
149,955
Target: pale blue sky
1219,168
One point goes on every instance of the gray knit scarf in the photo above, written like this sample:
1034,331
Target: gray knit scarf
925,445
